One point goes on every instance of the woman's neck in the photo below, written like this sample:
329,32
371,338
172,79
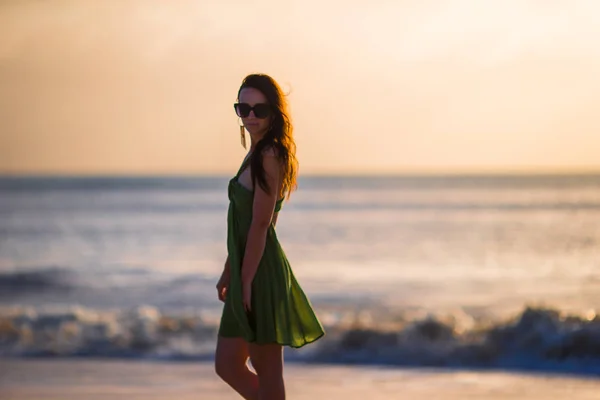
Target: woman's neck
254,141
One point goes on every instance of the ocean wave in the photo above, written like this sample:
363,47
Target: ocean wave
78,331
536,338
36,280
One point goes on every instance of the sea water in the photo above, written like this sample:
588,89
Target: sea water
470,270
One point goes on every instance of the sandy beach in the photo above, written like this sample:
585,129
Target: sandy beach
133,380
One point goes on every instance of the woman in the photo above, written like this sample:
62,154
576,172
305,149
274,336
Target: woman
265,307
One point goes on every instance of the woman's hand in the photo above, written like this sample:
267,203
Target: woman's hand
223,285
247,296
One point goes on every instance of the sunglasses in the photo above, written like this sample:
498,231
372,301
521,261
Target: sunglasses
261,110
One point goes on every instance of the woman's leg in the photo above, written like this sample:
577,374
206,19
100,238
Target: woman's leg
267,360
231,365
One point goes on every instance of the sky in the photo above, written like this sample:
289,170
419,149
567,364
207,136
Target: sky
385,86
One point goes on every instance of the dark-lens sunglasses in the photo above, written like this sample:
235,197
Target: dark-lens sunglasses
261,110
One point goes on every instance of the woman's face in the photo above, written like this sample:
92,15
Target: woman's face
257,120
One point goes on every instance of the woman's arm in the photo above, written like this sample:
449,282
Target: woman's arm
227,267
262,215
223,283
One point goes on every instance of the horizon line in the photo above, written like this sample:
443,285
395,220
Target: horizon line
332,173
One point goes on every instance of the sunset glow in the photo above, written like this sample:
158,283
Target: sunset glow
145,87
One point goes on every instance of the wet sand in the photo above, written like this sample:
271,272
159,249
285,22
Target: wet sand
136,380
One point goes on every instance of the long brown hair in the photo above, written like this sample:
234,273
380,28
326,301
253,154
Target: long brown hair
279,136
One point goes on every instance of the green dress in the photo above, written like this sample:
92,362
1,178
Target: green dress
281,312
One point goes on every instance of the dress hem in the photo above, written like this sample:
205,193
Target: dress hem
275,342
